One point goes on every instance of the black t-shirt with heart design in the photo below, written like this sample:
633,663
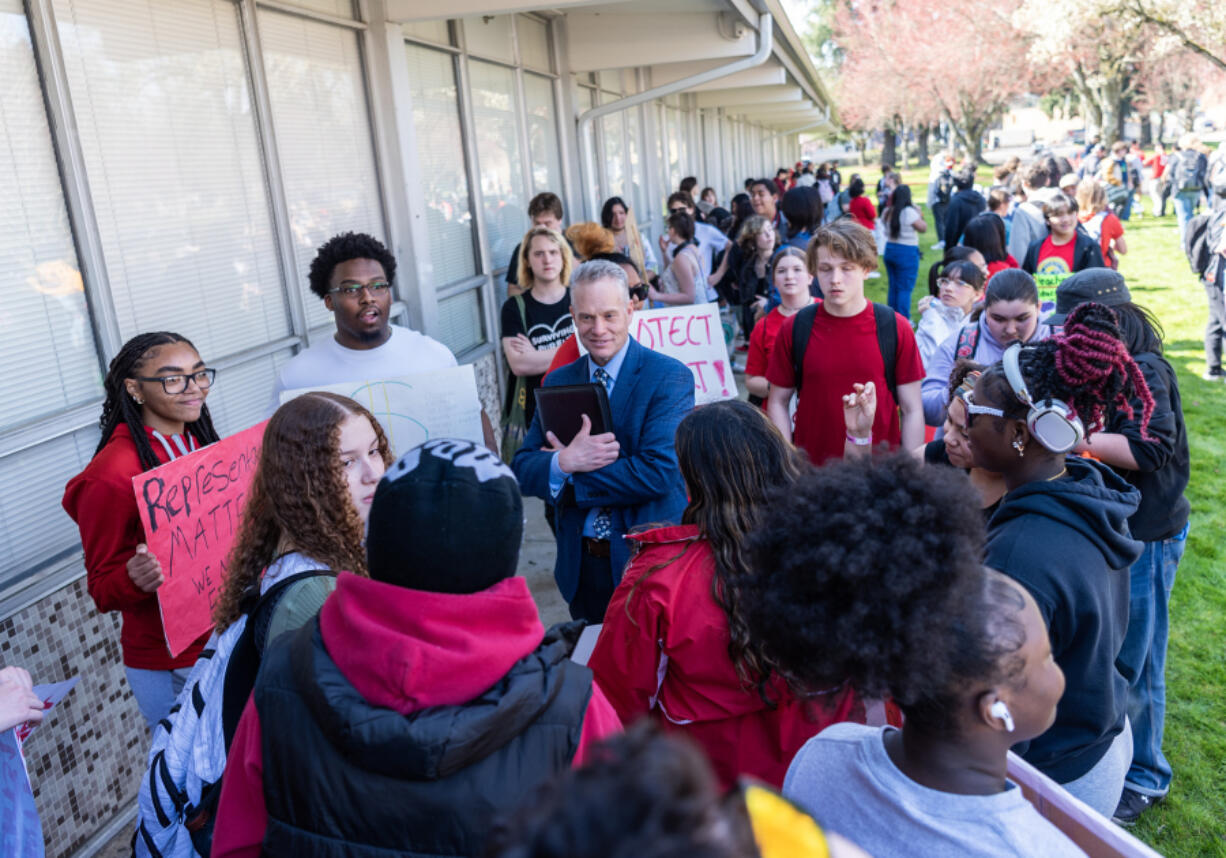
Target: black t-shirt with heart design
549,325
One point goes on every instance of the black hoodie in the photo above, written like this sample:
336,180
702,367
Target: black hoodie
1067,541
963,206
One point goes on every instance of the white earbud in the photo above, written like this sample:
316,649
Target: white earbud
1001,711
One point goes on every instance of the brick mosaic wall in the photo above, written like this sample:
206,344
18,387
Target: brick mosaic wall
86,759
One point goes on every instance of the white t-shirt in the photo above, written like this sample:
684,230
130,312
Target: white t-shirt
406,352
906,229
845,778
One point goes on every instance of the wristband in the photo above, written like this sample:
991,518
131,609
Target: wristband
860,442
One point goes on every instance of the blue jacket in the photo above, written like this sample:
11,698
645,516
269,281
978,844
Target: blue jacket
652,394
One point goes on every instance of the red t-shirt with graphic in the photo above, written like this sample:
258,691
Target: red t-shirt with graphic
842,351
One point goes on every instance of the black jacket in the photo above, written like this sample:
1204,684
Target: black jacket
1087,253
963,206
1067,542
345,778
1163,463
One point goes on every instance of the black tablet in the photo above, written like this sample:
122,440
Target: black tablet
562,409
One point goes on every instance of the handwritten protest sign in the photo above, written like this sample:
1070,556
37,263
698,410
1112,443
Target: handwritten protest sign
51,694
415,408
191,509
693,335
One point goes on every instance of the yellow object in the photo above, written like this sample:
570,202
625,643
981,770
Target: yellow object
780,828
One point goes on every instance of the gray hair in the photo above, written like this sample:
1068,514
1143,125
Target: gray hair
600,269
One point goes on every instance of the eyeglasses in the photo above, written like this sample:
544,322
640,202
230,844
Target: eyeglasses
174,384
353,290
679,209
951,282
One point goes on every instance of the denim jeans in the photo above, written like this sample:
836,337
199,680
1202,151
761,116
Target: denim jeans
901,266
1185,209
1143,656
155,691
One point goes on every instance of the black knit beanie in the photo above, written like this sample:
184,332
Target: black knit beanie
447,518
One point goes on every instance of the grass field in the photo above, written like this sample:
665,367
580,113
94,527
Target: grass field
1192,821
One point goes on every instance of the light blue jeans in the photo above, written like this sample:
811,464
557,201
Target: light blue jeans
1185,209
1143,656
155,691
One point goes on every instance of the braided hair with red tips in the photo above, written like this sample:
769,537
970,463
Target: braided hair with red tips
1088,367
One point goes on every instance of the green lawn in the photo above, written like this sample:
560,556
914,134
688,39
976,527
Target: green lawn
1192,821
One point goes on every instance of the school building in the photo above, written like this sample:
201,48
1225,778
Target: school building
174,164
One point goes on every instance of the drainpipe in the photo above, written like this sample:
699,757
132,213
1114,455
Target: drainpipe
588,118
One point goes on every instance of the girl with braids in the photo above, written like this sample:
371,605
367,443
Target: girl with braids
960,649
153,412
304,520
675,645
1062,532
1159,470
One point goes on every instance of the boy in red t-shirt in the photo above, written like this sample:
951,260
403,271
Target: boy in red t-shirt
843,351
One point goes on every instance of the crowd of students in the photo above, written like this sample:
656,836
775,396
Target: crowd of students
869,632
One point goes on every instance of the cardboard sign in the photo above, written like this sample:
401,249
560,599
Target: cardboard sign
50,694
694,335
415,408
191,509
1096,835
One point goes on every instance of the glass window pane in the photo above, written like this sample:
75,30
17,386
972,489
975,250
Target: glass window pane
490,36
432,31
318,100
542,134
614,162
501,171
460,326
672,117
638,173
533,37
162,106
339,8
33,526
440,156
44,321
239,397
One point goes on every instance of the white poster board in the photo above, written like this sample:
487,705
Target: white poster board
415,408
694,335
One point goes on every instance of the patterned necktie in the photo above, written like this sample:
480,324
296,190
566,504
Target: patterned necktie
602,522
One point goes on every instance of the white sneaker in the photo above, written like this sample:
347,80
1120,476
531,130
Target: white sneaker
872,275
940,245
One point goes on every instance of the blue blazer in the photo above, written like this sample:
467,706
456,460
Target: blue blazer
644,486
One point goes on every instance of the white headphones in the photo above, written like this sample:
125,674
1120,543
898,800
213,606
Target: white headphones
1001,711
1052,423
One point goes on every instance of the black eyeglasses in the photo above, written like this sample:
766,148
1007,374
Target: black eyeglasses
639,292
353,290
174,384
679,209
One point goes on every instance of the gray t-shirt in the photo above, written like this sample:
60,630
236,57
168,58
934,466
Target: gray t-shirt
847,781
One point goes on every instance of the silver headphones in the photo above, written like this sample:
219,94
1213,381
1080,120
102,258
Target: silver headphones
1052,423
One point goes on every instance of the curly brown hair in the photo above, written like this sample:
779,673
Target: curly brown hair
299,497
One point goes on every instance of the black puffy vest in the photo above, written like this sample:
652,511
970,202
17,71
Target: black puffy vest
345,778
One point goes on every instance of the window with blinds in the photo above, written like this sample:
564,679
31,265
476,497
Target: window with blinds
542,134
242,394
440,155
44,322
638,172
48,358
318,96
163,110
533,39
614,156
460,322
496,126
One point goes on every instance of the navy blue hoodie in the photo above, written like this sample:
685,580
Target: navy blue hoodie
1067,542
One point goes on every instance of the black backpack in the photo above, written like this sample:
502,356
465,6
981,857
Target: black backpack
1199,239
1187,171
887,341
945,187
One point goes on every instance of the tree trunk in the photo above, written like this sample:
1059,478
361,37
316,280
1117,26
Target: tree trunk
922,144
888,149
1110,105
906,153
1147,133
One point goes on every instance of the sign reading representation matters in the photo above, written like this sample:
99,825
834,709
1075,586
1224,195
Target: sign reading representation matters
693,335
413,409
191,509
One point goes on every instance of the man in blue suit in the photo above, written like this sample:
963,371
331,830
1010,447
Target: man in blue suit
604,485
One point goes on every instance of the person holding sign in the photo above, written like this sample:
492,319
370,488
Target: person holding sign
353,274
18,702
844,340
305,519
154,412
603,485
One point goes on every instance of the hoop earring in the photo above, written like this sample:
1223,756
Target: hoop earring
1020,447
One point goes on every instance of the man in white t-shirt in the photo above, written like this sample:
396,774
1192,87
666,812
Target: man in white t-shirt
353,274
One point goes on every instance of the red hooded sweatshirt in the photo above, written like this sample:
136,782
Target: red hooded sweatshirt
663,652
404,650
102,502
